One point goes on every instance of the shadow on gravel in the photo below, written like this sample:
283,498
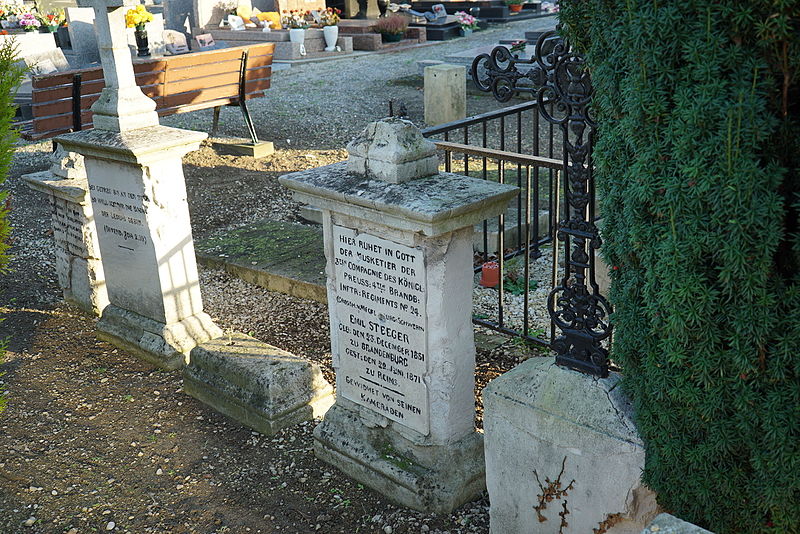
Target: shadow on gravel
19,328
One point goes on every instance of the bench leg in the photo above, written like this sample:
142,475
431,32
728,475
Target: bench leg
248,121
215,121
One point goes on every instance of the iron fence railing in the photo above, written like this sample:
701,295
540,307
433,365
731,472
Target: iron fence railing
512,146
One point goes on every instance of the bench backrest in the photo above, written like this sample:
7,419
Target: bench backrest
178,84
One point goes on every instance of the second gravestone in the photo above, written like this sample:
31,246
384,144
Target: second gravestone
398,243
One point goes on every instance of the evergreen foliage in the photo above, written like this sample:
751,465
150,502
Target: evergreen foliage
11,73
697,169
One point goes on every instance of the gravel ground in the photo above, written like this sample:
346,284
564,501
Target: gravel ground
98,441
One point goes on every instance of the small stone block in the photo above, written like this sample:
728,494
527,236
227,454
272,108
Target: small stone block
445,93
259,150
392,150
256,384
570,428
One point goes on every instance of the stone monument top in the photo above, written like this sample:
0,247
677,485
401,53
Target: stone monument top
417,196
122,106
392,150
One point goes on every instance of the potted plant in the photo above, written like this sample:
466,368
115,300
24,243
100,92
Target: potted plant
137,17
329,19
29,22
515,6
392,28
468,23
297,22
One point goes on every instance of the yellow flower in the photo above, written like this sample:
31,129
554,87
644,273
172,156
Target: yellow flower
137,17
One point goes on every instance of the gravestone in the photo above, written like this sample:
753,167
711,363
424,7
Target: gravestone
445,94
398,244
78,265
82,37
138,196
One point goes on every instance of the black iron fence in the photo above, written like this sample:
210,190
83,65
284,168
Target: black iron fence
510,145
559,82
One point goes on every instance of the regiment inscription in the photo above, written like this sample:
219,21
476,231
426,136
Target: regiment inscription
380,326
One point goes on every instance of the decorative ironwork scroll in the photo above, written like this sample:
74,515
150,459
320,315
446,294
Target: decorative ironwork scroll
558,75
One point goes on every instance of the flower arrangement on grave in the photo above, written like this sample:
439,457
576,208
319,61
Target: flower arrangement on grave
52,20
467,21
29,22
330,17
229,7
392,28
518,46
9,11
137,17
296,19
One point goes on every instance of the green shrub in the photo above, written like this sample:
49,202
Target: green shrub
10,76
697,169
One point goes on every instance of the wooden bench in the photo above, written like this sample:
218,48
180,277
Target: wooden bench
61,101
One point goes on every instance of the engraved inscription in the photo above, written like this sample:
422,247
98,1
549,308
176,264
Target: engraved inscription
379,326
121,214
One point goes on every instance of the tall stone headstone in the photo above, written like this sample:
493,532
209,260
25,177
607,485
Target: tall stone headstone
398,244
138,195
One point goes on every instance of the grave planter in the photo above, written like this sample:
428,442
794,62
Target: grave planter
297,35
392,37
331,34
142,45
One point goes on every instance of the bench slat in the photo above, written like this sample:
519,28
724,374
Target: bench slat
214,93
178,84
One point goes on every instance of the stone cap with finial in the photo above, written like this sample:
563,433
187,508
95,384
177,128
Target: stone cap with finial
392,150
392,178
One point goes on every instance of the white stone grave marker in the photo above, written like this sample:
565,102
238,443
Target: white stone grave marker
398,241
138,194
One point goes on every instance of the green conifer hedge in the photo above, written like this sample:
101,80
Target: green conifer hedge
697,168
11,74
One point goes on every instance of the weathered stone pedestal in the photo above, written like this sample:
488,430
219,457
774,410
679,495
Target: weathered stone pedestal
139,201
543,422
78,264
398,244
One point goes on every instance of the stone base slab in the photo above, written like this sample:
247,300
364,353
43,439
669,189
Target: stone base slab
427,477
164,345
544,421
256,384
242,147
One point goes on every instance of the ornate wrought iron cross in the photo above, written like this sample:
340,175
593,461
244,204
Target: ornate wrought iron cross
557,75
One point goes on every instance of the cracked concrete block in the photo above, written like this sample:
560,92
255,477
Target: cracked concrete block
392,150
560,442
